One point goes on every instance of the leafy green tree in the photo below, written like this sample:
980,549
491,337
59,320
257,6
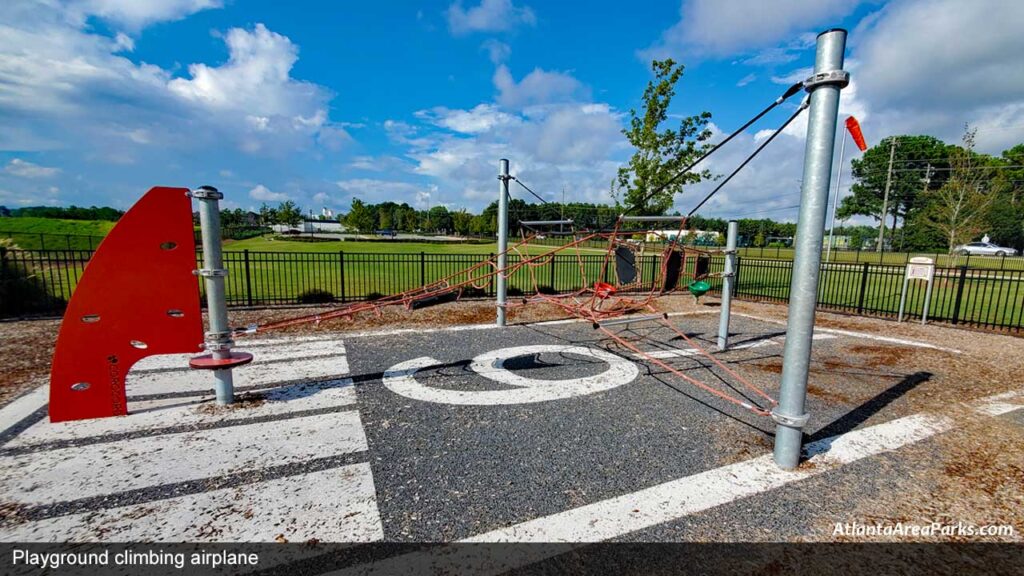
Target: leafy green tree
920,164
1005,220
361,217
958,209
661,153
289,213
268,215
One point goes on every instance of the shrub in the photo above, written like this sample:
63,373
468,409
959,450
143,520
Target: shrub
316,296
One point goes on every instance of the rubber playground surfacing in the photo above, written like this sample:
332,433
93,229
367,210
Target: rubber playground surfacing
398,435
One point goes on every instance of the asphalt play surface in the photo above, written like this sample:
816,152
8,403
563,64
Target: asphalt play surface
453,433
447,471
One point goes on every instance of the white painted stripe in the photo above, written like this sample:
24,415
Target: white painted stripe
23,406
678,498
656,505
281,350
255,374
999,404
170,412
48,476
336,505
915,343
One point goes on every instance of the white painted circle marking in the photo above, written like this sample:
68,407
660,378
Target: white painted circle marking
401,378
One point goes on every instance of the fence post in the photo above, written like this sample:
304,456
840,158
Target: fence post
341,274
248,279
423,269
736,278
959,293
553,256
863,288
42,241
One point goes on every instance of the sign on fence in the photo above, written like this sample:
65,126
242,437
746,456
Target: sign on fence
918,268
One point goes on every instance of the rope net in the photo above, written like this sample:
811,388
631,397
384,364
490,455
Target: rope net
613,290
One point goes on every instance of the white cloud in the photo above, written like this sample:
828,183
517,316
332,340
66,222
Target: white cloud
537,87
497,51
376,190
137,14
488,16
257,79
261,193
921,74
746,80
718,28
481,118
26,169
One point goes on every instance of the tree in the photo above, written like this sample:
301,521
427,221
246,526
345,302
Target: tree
914,155
1005,220
959,207
268,215
361,217
462,222
289,213
660,154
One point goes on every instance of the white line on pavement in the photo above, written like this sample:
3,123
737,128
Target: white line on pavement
336,505
167,413
23,406
915,343
48,476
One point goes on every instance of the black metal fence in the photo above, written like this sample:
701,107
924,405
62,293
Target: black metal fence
847,256
39,283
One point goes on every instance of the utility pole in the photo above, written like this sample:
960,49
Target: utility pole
885,198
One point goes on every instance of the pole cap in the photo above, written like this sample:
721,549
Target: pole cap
207,193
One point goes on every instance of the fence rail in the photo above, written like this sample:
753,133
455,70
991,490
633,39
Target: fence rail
39,283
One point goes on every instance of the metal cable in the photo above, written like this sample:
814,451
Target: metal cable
767,141
789,93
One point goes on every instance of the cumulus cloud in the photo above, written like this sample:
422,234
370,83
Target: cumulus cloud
488,16
717,28
26,169
537,87
137,14
261,193
918,78
481,118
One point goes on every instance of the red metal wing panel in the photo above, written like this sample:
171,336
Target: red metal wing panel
137,297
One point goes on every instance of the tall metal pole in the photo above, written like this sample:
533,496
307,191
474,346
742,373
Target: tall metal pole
503,178
218,337
824,87
728,284
835,199
885,198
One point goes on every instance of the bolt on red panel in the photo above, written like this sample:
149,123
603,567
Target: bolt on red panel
137,297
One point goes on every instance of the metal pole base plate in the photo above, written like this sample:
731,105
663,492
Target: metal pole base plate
208,362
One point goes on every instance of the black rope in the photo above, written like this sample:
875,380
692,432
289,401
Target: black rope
749,158
785,96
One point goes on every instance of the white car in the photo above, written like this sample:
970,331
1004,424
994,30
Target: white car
985,249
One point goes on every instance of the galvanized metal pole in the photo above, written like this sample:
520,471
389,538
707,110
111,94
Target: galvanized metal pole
218,337
503,177
728,284
835,200
824,87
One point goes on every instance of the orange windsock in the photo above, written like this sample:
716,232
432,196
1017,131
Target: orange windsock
854,127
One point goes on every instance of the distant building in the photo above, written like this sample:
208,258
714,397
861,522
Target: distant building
311,226
838,242
700,236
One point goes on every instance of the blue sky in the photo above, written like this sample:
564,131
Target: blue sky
322,102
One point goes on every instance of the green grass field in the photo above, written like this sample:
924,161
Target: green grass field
895,258
54,234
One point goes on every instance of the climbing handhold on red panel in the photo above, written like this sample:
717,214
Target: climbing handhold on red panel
137,297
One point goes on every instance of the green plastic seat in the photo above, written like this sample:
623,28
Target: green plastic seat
699,288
